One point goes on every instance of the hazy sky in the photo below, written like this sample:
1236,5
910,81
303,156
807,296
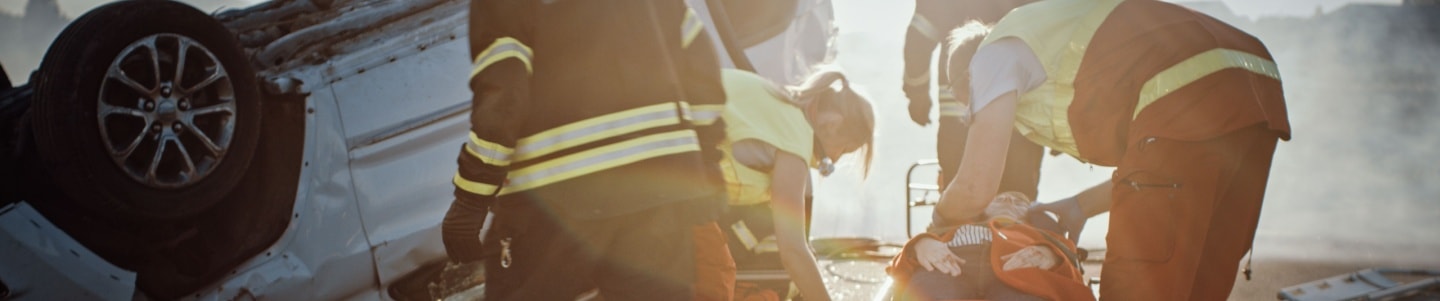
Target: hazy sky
1242,7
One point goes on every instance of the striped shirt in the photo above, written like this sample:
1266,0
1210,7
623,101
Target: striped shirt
970,235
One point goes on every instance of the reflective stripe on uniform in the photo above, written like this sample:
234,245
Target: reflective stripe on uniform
489,152
595,129
949,106
690,28
945,94
501,49
922,25
953,109
474,187
1197,67
743,234
705,114
602,158
918,80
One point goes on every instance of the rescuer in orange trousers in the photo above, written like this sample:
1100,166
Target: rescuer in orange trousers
1188,109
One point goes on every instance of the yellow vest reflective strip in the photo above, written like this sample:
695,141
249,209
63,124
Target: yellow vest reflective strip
705,114
921,79
601,158
595,129
474,187
489,152
743,234
690,28
1059,32
1197,67
501,49
922,25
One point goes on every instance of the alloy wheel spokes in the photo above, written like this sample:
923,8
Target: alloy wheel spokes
192,107
124,153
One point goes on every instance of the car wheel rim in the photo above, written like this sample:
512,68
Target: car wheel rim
166,110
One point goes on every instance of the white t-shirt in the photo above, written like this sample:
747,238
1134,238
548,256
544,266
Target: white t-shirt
1001,67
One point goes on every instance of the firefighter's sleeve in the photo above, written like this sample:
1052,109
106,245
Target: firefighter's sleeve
500,84
920,41
703,88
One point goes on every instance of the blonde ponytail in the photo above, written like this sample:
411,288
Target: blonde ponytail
859,116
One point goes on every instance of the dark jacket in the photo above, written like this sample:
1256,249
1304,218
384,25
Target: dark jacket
592,109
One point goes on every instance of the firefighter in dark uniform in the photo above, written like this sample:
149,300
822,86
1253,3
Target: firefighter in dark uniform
593,134
931,25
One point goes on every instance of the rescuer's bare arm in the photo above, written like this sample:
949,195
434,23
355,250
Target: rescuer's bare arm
787,193
978,179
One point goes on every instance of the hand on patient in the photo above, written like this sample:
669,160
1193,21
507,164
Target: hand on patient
1030,257
934,255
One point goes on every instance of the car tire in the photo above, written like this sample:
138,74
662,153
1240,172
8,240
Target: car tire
146,110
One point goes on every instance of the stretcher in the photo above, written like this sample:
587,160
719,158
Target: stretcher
1369,284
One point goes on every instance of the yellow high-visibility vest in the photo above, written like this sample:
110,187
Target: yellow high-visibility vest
757,109
1059,32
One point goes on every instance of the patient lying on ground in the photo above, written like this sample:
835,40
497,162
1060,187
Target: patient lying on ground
1003,259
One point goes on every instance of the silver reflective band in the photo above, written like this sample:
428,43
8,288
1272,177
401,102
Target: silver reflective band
953,109
945,94
487,155
595,129
501,49
918,80
690,28
919,23
704,114
488,152
601,158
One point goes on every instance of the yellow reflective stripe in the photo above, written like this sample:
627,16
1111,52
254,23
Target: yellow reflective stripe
953,109
595,129
945,94
601,158
705,114
501,49
690,28
489,152
474,187
918,80
743,234
919,23
1197,67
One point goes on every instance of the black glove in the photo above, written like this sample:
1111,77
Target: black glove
460,230
919,105
1071,217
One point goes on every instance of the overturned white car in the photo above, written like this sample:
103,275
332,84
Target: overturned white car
296,149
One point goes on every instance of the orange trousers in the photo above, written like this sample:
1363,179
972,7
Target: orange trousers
1183,215
714,268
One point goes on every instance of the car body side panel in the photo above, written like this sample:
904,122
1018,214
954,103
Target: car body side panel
391,95
39,258
325,253
403,185
787,57
410,116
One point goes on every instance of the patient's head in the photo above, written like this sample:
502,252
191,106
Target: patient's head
1009,205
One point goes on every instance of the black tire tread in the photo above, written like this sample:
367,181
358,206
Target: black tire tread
66,161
